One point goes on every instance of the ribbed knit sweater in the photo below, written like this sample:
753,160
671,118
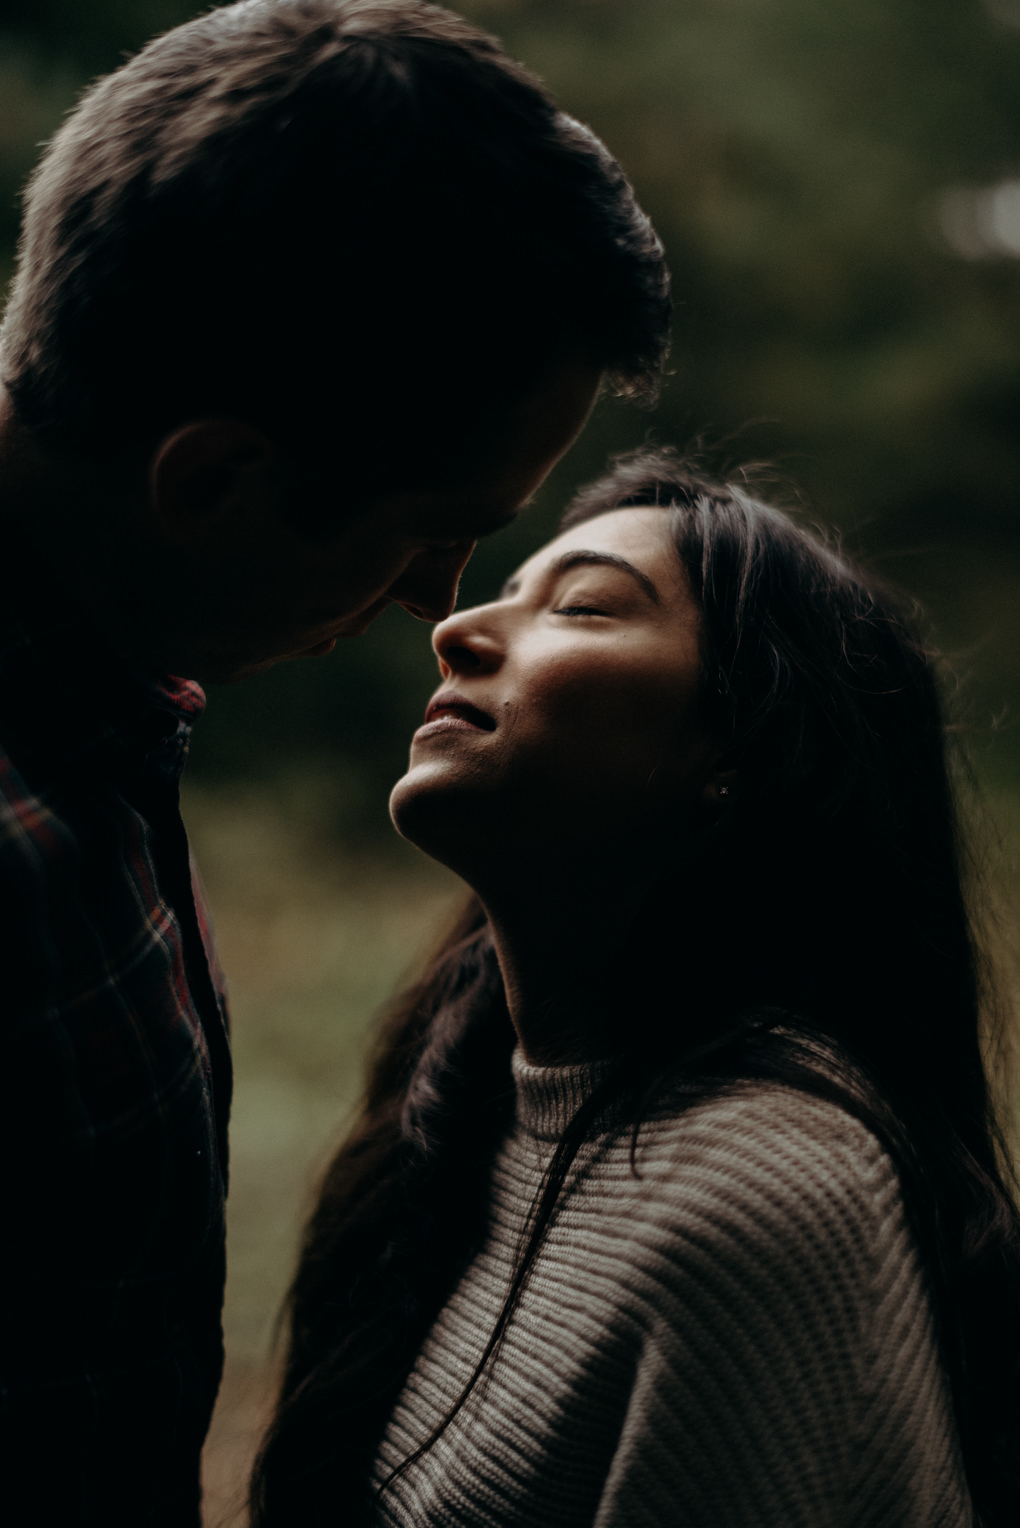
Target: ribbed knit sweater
740,1337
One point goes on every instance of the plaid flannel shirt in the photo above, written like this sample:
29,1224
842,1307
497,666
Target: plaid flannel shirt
114,1092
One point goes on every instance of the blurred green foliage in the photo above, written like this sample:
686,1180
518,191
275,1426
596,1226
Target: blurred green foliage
798,157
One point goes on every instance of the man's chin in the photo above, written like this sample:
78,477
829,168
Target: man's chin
221,674
249,669
357,625
232,670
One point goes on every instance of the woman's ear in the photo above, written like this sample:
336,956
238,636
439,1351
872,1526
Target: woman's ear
204,473
719,788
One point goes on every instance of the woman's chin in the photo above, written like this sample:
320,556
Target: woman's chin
436,813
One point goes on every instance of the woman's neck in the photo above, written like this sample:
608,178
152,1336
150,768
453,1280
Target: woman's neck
561,943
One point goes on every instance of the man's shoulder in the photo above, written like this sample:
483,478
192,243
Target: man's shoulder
39,852
94,984
83,922
31,821
46,826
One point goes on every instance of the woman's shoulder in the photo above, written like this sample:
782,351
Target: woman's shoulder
767,1262
767,1169
754,1120
718,1168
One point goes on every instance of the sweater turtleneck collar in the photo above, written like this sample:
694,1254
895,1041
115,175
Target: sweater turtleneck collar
548,1097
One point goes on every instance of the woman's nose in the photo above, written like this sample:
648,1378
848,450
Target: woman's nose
466,643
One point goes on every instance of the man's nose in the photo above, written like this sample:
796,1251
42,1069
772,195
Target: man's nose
427,588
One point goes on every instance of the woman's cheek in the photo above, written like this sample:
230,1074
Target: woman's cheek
599,739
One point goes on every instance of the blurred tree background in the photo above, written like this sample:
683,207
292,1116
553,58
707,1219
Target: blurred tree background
838,186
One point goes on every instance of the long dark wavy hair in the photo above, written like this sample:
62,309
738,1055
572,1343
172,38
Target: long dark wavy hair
813,929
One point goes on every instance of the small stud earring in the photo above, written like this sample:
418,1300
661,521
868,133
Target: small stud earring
724,790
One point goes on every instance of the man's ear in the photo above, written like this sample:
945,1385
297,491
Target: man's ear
720,787
205,472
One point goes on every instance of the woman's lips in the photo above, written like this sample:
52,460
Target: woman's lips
453,711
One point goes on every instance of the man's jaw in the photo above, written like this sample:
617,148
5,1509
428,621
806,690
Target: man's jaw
351,626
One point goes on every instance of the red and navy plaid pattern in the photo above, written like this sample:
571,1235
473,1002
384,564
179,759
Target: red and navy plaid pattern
114,1093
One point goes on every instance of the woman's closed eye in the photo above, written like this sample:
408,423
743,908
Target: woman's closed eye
581,610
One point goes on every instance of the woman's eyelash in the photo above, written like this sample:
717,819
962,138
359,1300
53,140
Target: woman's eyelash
579,610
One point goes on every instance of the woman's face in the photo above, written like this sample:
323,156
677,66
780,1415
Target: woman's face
567,715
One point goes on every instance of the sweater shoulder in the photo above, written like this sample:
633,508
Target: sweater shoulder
764,1177
758,1132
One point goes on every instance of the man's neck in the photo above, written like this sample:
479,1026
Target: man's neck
64,534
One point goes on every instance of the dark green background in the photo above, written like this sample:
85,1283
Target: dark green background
794,155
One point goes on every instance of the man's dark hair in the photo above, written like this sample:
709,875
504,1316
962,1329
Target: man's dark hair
355,223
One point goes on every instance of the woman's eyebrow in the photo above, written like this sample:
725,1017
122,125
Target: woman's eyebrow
582,558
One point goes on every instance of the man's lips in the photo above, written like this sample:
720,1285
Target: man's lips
455,709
